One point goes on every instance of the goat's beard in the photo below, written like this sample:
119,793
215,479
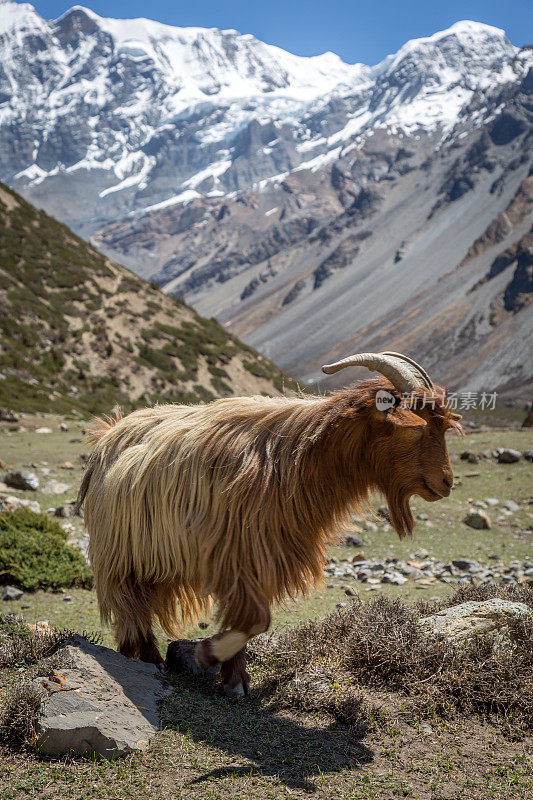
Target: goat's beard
400,512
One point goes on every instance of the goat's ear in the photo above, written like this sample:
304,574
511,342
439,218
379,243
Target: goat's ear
404,418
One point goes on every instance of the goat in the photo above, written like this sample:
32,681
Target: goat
235,501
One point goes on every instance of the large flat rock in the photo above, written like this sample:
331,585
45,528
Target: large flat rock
101,703
480,616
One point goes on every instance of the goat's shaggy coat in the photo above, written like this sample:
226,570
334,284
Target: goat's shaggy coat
234,501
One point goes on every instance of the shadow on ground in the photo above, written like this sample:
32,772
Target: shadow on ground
290,748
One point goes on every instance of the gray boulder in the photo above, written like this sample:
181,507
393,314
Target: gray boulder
467,619
508,456
477,519
22,479
11,593
101,703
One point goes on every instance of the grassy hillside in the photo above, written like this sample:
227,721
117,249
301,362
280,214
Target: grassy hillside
80,332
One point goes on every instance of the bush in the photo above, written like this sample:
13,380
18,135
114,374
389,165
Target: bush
374,660
34,553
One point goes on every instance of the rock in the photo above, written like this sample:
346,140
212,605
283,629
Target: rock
394,578
528,455
43,430
480,504
360,556
421,553
11,593
56,487
63,427
478,520
101,703
465,564
510,505
341,605
467,619
491,501
22,479
423,517
354,541
65,511
370,527
473,458
465,455
67,465
508,456
6,415
10,503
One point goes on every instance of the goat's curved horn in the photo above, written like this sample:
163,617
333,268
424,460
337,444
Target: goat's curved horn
398,371
417,368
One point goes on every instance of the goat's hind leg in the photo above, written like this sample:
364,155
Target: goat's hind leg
132,624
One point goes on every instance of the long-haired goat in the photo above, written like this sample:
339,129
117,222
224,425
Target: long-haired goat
235,501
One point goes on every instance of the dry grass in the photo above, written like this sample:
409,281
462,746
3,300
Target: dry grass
374,661
24,654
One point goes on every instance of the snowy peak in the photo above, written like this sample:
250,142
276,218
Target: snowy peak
208,61
135,114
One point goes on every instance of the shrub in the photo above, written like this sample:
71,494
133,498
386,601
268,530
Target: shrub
34,553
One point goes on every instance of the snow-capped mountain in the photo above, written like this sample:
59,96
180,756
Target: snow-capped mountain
117,116
312,206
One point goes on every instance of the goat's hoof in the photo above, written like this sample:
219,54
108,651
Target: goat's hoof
236,692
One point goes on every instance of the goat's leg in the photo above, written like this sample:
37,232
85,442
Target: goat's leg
132,624
228,647
234,676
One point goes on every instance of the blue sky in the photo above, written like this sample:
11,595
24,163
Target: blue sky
358,31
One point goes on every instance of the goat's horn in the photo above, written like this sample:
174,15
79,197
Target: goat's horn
398,372
417,368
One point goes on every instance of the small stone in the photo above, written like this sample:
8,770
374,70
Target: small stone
480,504
43,430
394,578
65,511
10,503
473,458
508,456
63,427
528,455
342,605
478,520
11,593
491,501
56,487
510,505
67,465
422,517
360,556
6,415
354,541
67,598
22,479
421,553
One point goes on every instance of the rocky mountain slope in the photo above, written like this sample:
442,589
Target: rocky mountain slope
80,332
312,206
